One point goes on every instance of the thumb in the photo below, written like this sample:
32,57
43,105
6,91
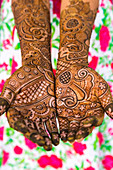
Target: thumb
107,101
4,105
6,97
8,93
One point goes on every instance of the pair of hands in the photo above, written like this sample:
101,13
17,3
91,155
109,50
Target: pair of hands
32,98
82,97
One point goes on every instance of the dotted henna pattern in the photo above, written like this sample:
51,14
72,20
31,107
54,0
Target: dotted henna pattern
82,95
30,90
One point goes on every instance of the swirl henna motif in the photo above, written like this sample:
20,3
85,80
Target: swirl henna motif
82,95
30,90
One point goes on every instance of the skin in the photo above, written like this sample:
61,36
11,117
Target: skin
82,95
28,95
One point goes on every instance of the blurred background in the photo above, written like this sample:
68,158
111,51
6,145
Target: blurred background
96,151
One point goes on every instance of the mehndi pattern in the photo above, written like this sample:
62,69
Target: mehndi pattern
30,90
82,94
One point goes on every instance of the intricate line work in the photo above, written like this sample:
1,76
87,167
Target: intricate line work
30,90
76,26
32,21
82,95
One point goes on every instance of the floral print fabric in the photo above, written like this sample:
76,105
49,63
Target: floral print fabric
96,151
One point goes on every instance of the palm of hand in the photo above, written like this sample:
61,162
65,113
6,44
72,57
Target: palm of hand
33,107
82,98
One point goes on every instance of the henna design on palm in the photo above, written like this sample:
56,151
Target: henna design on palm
82,94
29,92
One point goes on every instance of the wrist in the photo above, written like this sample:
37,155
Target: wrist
68,55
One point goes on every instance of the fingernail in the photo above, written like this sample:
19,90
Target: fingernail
48,148
55,139
41,142
71,138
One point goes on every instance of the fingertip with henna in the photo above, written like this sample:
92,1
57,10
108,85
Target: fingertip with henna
4,105
55,138
109,110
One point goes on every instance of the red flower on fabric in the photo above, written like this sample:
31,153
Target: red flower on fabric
18,150
110,131
6,43
100,137
89,168
102,3
93,63
4,65
69,153
30,144
1,3
111,87
112,65
108,162
56,7
1,132
1,85
111,1
13,32
54,72
44,161
79,147
104,36
53,161
5,157
14,65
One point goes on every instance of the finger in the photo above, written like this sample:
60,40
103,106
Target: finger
64,124
4,105
51,126
106,99
43,132
83,132
25,126
87,122
73,127
98,117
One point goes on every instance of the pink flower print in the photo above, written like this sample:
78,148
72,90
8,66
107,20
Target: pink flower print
108,162
112,65
89,168
111,1
4,65
1,85
111,87
5,157
1,132
18,150
55,162
100,137
6,43
79,148
110,131
56,7
14,65
104,36
93,63
44,161
30,144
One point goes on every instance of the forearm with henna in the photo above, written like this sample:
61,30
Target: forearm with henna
82,94
30,90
